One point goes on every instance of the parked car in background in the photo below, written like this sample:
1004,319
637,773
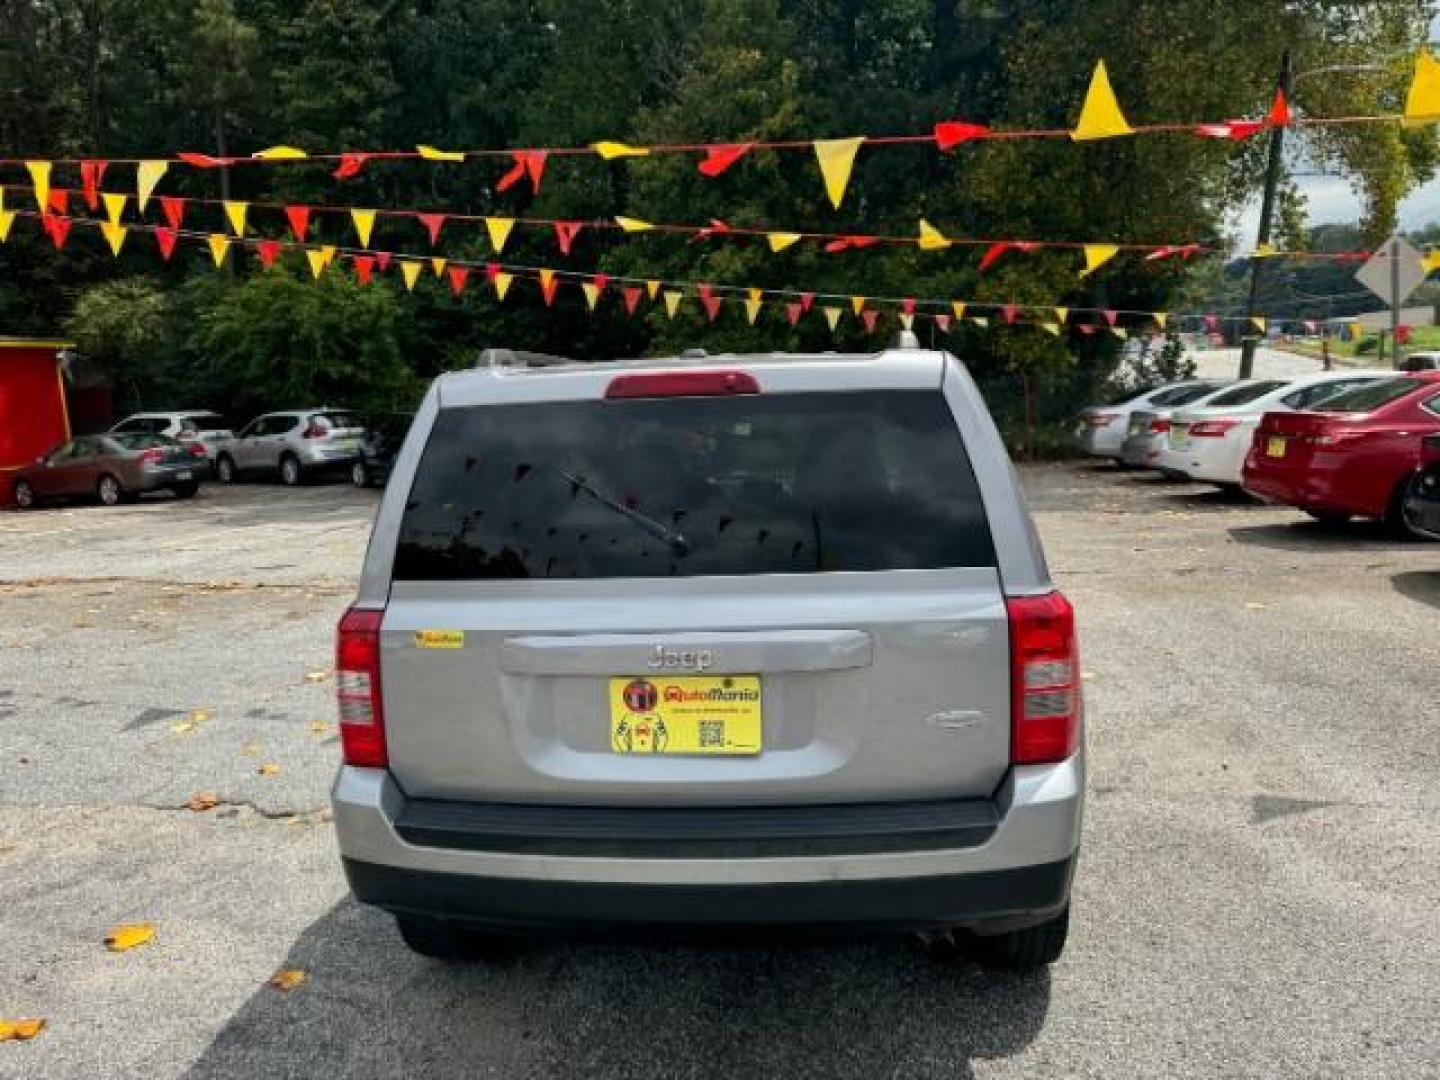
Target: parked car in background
1421,361
209,430
1351,455
112,468
1422,504
1103,428
384,435
294,445
1149,427
1210,443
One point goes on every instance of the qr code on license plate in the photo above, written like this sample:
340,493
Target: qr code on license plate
712,733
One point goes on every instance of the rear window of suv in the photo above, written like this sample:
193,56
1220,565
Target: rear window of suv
774,484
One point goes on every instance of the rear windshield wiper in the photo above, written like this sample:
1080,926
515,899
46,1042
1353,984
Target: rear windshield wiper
660,531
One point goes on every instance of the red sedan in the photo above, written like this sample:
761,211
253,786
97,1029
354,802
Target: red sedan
1351,455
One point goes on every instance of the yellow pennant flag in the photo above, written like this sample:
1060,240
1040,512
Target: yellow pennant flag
364,223
114,206
438,265
499,230
1357,331
1161,318
779,241
7,219
1061,314
219,247
1120,332
1259,322
502,284
672,302
633,225
410,273
236,212
858,304
958,306
752,305
1264,251
652,287
114,234
612,150
1096,256
1422,103
147,176
430,153
280,153
40,178
980,321
1431,262
832,316
1100,118
837,159
547,279
931,238
316,259
592,293
1051,328
327,253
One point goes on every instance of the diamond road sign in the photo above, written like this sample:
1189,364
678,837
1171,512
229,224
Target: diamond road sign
1394,272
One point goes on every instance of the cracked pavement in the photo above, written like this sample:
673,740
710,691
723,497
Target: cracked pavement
1255,895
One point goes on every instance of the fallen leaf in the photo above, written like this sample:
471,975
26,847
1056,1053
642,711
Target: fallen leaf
250,749
202,801
181,727
268,769
1086,676
128,936
319,727
293,819
20,1030
1253,606
199,716
316,676
287,979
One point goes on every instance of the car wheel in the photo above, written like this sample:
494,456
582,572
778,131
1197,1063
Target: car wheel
1396,519
359,475
109,491
441,939
290,472
1021,950
186,491
226,471
1331,519
24,495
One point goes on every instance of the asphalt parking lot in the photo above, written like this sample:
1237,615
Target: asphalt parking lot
1256,895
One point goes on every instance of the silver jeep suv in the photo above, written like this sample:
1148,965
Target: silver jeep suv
719,641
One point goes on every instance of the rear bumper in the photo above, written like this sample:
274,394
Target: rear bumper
1141,451
1008,867
1312,489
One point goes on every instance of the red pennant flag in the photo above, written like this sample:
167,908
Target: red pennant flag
382,261
1189,250
432,223
174,209
908,305
1212,323
868,317
706,292
548,284
203,161
59,200
1111,316
1086,329
58,229
458,274
994,253
1235,130
793,312
529,163
711,303
1279,114
807,299
851,243
565,233
92,174
951,133
601,280
715,228
268,251
1162,253
721,157
943,322
492,271
632,299
299,218
364,267
350,165
165,239
1011,312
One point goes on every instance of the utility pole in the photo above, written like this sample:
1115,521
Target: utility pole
1395,305
1267,216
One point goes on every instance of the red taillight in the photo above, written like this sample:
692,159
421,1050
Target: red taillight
197,450
683,384
1045,677
1159,427
1211,429
153,456
312,431
357,687
1100,419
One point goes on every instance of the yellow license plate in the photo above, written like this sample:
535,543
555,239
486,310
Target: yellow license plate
1275,447
689,714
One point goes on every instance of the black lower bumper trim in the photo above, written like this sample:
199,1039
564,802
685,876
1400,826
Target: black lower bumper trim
1011,897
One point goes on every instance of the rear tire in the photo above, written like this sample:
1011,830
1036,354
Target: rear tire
440,939
24,495
359,475
1022,950
225,470
1395,519
109,491
186,491
290,472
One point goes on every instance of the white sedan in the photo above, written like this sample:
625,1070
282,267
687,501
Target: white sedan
1103,428
1210,443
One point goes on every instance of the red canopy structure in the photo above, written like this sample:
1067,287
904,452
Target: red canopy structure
33,415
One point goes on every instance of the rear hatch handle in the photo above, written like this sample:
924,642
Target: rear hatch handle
756,652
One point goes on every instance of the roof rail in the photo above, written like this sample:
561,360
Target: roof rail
513,358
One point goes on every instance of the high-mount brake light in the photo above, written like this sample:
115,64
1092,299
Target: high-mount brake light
682,384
